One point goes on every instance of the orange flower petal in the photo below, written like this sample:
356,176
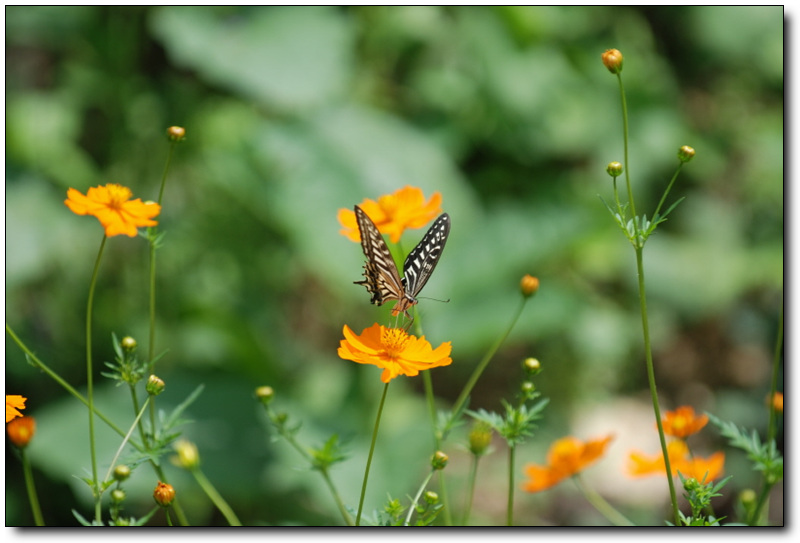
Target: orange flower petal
683,422
14,403
393,213
566,457
392,349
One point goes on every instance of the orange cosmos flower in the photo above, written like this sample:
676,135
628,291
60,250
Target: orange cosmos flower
566,457
641,465
20,431
683,422
113,207
13,404
393,213
392,349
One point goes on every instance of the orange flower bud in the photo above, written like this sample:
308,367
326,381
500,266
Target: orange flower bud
155,385
529,285
439,460
21,430
612,59
164,494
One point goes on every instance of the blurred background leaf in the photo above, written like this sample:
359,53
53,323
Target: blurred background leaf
295,112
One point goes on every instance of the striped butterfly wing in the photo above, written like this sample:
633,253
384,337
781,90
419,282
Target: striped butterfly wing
420,262
382,279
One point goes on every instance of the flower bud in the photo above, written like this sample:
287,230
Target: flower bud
439,460
531,365
20,431
529,285
612,59
527,388
685,153
121,472
163,494
128,344
480,437
747,497
614,169
176,133
431,497
690,483
155,386
117,496
265,394
188,457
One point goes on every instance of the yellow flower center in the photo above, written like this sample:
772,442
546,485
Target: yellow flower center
393,341
118,195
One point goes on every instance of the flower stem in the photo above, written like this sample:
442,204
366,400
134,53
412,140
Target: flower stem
89,380
462,398
32,497
216,498
603,507
125,439
512,451
652,380
473,475
413,506
371,450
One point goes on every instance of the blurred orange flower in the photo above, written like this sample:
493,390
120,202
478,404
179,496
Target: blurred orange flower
566,457
20,431
113,207
392,349
641,465
777,402
14,403
393,213
683,422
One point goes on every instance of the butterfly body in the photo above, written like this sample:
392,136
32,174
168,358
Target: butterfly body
381,277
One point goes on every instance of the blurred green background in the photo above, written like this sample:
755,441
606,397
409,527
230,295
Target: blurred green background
295,112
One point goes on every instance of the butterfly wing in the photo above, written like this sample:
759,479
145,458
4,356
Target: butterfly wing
382,279
420,262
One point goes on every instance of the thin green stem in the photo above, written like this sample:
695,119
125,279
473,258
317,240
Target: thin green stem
339,503
666,192
32,496
512,452
152,235
125,439
89,380
776,363
462,398
413,506
216,498
473,475
606,509
627,165
652,381
371,451
136,409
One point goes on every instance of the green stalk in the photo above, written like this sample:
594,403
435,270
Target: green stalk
603,507
32,497
473,475
413,506
371,450
462,398
651,378
216,498
89,380
512,449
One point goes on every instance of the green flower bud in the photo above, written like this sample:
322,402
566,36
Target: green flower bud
117,496
128,343
685,153
121,472
480,438
431,497
614,169
265,394
155,386
439,460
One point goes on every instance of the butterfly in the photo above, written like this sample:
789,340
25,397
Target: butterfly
382,278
